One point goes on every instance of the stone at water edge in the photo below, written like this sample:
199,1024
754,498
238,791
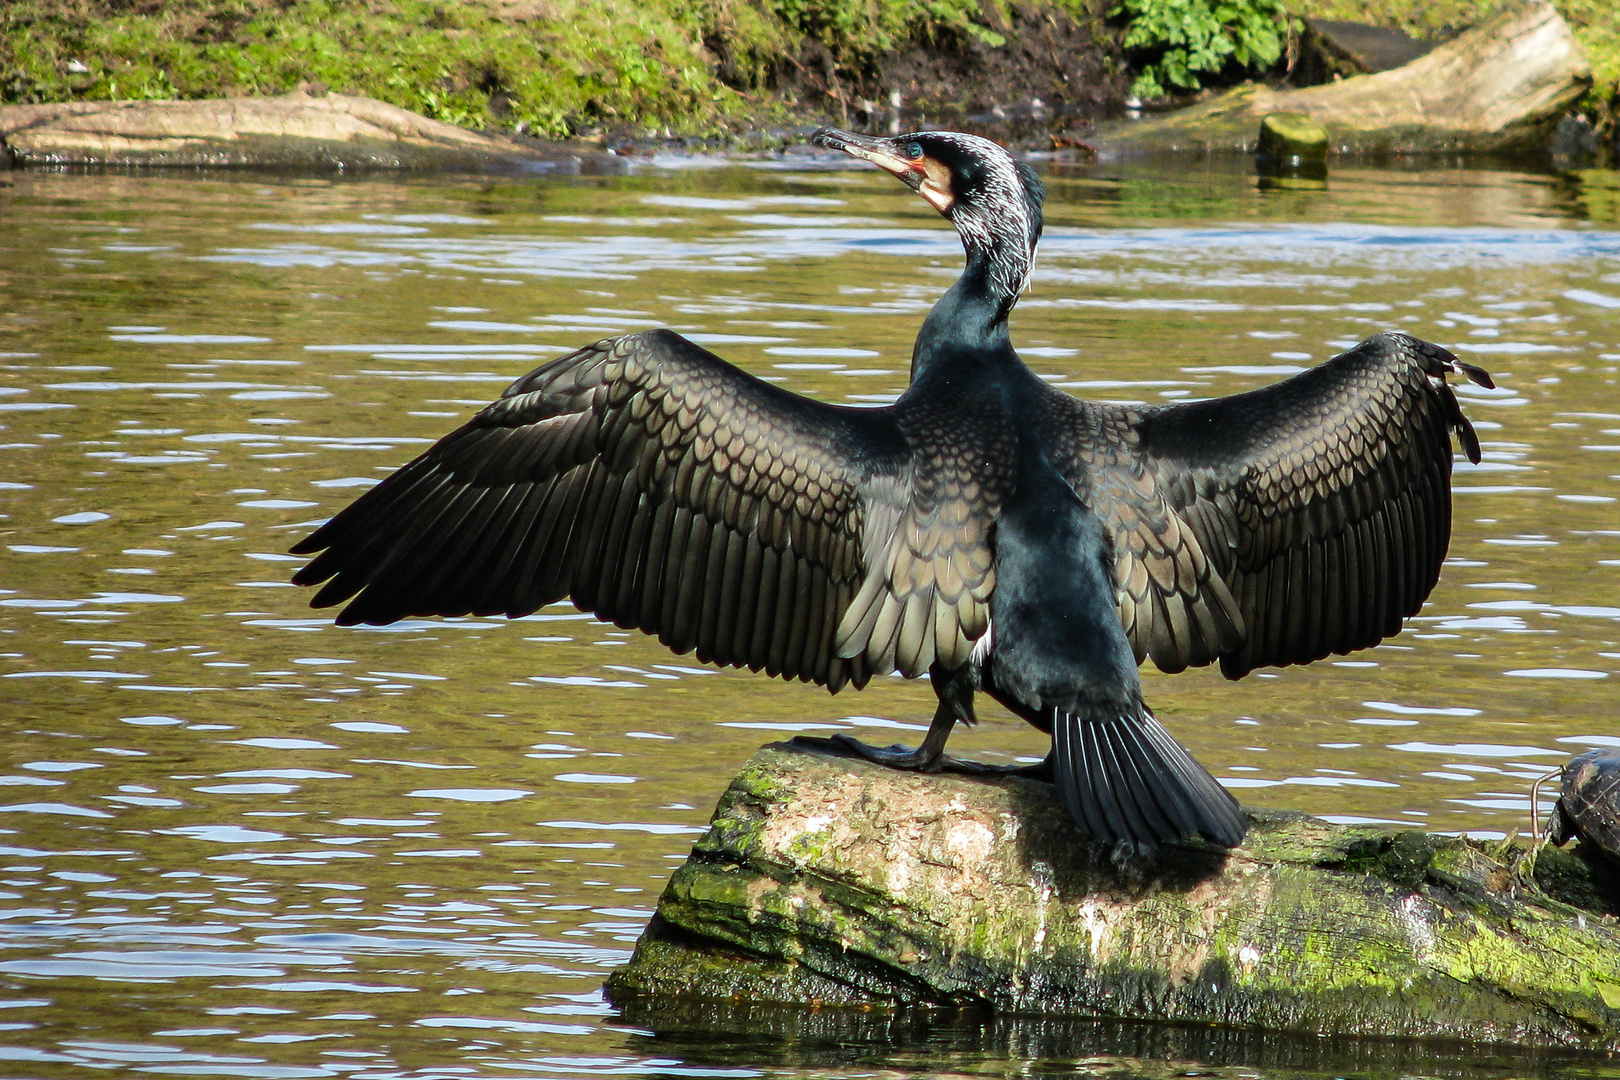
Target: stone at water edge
1290,138
824,880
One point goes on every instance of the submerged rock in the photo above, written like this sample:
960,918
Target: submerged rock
829,881
1292,153
297,130
1499,88
1293,138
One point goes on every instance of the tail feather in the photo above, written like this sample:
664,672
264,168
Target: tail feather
1084,802
1126,778
1157,812
1175,803
1118,814
1184,799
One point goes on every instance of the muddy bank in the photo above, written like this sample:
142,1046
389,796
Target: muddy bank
1050,70
1032,74
583,69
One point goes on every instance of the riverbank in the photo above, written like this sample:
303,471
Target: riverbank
596,69
612,71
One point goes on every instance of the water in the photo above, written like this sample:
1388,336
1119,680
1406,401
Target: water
240,841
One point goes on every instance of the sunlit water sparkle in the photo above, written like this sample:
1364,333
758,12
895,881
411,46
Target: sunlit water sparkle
240,841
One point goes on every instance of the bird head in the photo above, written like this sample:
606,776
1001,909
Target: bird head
992,198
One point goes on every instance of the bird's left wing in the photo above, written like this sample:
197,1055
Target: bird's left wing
665,489
645,478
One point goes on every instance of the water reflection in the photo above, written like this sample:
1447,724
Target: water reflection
237,839
842,1041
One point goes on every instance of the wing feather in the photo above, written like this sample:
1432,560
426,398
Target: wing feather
665,489
1306,518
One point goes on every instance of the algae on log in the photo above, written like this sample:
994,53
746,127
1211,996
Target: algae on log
1501,87
831,881
297,130
1293,138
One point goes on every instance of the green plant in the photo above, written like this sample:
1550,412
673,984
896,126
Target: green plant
1183,38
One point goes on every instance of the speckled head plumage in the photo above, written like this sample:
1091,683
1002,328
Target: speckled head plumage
992,198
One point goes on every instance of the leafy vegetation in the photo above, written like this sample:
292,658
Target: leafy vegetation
1597,28
1180,44
1181,40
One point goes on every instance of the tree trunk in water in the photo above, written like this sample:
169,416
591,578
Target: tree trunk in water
325,131
830,881
1501,86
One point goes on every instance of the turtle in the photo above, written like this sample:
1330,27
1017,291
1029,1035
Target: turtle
1588,805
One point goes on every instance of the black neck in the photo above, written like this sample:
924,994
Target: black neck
970,320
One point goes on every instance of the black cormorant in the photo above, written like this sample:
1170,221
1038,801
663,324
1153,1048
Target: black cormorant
985,529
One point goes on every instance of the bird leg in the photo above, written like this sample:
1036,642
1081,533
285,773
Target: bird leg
927,757
955,692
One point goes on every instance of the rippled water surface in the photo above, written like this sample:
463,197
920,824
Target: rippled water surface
240,841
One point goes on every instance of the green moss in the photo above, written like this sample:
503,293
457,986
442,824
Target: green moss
755,784
670,963
576,63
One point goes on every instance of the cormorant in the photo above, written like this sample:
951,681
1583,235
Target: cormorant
985,529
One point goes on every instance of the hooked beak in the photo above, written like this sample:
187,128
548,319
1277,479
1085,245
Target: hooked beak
874,150
924,176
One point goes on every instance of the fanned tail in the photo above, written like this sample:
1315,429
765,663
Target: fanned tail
1126,778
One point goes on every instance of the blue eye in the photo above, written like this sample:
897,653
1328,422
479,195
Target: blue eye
914,151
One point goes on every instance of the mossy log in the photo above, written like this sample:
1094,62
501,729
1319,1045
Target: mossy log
830,881
1293,138
1500,87
323,131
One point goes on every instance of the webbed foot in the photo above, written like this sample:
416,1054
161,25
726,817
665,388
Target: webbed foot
955,701
922,758
1040,770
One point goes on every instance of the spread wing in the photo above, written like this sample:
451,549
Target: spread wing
664,489
1301,519
1174,603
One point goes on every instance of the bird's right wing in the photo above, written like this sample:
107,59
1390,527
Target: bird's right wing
665,489
1316,511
